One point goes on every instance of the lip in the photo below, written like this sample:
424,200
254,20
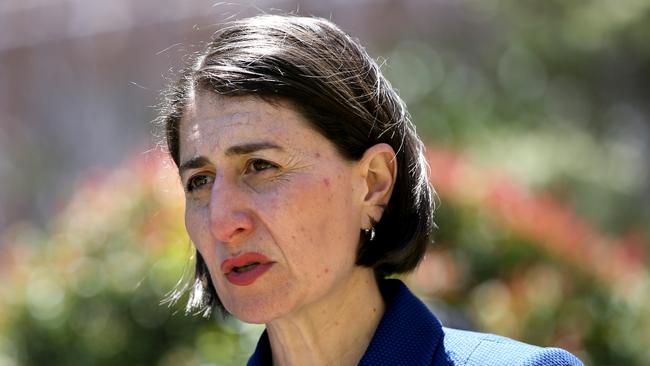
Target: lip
249,276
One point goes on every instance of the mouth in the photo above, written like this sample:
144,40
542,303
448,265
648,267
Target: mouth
246,268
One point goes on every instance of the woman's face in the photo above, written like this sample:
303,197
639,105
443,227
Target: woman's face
272,207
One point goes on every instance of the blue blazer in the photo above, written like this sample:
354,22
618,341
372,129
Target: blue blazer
409,334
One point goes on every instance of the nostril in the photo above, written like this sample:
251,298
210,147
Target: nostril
231,227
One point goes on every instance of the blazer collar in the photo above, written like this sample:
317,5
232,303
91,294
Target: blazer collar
408,333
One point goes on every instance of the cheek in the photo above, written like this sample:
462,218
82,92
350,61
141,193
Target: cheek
196,226
319,214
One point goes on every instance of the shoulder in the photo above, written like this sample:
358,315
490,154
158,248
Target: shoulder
410,334
472,348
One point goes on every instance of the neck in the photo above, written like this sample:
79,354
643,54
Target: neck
334,331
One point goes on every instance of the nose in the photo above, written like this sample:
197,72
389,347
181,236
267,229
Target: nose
230,219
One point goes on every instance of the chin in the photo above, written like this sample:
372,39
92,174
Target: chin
255,314
259,303
256,310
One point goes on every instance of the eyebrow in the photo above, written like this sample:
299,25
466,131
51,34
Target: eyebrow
251,147
192,163
243,149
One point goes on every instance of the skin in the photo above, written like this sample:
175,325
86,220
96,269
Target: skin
262,180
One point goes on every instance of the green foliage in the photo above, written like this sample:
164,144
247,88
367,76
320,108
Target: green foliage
553,92
90,291
506,283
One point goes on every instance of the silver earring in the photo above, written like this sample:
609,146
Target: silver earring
370,233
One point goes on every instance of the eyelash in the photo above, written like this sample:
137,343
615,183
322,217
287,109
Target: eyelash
192,182
193,185
252,162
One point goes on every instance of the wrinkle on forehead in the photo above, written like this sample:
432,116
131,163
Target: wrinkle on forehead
209,107
201,113
217,121
220,113
211,132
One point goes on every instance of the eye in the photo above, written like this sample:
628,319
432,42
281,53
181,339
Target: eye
198,181
259,165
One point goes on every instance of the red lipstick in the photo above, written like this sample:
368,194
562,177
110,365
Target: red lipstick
244,269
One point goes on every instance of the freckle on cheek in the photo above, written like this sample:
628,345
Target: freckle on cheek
317,155
326,270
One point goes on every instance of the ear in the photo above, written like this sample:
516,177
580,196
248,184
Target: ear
379,170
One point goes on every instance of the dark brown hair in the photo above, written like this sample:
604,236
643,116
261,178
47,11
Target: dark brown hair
340,90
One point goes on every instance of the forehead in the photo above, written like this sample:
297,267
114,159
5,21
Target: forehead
213,122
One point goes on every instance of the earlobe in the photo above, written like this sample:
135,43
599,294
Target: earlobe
379,171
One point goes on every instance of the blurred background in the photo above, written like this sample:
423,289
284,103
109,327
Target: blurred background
536,115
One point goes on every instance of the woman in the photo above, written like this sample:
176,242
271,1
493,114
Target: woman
305,187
